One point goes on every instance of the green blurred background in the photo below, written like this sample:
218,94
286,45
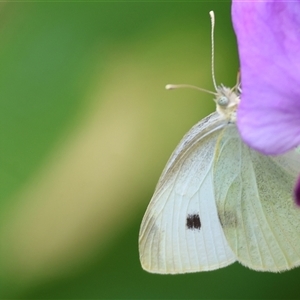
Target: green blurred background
86,129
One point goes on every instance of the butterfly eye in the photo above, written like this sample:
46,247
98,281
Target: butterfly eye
223,101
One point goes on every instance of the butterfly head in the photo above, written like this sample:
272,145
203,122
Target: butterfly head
227,101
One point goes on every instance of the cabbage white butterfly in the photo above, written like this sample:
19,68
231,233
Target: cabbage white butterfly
218,201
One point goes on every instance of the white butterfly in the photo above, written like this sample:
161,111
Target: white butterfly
218,201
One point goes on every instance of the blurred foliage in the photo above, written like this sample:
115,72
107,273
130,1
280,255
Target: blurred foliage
86,128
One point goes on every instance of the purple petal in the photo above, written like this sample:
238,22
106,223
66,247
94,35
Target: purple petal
297,192
268,35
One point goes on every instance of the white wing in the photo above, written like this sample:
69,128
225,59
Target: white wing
255,205
181,231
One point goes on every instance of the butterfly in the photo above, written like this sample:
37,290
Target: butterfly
219,201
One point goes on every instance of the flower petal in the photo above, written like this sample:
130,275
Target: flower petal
297,192
268,35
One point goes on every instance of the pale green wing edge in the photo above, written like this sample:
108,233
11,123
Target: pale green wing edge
255,204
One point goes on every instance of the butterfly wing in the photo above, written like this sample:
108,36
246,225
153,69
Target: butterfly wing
255,205
180,231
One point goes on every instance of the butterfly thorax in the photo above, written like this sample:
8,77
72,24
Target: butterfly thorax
227,101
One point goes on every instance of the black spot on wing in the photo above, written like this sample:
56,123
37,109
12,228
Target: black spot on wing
193,222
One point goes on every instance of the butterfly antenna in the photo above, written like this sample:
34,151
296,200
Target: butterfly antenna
212,18
180,86
237,86
177,86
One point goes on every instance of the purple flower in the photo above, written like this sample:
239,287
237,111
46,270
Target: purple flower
268,35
